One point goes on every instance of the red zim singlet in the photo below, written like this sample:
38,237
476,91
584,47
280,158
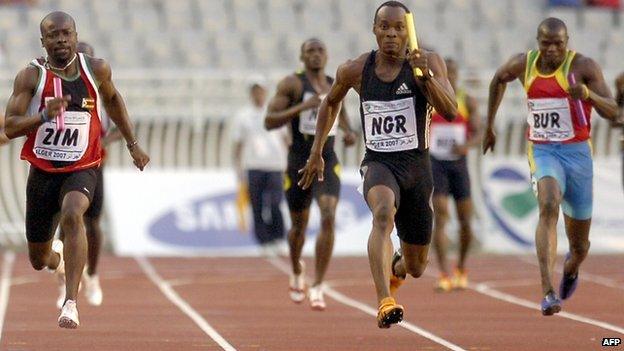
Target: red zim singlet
445,135
77,146
553,117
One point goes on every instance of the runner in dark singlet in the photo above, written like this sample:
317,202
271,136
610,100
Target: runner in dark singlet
63,161
395,110
295,103
619,98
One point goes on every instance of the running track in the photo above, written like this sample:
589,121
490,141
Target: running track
241,304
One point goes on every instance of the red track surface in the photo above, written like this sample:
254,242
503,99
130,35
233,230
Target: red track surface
245,301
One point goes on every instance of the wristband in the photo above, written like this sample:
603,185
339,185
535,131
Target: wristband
132,144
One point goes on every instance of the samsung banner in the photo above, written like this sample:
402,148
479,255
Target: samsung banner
195,212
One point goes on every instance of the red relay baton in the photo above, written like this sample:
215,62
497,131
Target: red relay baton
577,103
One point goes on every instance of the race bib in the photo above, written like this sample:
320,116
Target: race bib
444,137
550,120
307,119
390,125
68,144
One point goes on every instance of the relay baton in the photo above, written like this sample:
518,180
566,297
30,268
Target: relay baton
577,103
413,40
58,93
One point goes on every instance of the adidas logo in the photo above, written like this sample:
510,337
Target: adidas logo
403,89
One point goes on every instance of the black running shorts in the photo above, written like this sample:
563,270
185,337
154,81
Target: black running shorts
95,209
412,187
451,178
44,196
298,199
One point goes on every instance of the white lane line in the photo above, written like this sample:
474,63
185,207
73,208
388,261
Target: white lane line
608,282
5,285
486,290
166,289
510,283
282,266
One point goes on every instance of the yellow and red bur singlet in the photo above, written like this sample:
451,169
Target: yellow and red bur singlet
77,146
552,114
444,135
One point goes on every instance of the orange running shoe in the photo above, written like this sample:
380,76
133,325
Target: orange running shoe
389,313
396,281
460,279
444,284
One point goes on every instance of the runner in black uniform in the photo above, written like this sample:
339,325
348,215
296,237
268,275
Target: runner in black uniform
296,101
395,108
619,98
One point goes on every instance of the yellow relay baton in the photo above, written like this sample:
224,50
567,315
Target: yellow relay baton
413,40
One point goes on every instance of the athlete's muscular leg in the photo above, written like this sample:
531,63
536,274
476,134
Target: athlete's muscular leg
578,237
325,240
440,240
464,214
414,260
94,241
549,199
42,256
381,201
296,237
75,246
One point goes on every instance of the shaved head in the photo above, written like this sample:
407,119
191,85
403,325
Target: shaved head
56,18
551,25
310,41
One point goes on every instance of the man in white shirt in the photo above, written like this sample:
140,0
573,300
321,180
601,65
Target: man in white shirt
260,159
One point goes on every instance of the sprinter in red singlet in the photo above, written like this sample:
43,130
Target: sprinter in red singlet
559,149
63,162
449,145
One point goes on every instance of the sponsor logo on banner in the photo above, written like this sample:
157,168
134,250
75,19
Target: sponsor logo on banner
510,200
212,221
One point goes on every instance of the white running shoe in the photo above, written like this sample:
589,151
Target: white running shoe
59,272
317,302
297,285
69,315
93,291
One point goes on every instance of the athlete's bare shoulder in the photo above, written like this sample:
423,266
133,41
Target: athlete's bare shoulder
349,73
290,86
101,68
513,69
26,79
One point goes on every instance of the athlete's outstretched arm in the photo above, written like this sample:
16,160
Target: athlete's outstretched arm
619,96
438,89
279,112
594,88
346,77
17,123
116,109
345,125
3,138
508,72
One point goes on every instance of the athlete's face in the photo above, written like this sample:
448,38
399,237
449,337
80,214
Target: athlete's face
391,31
314,55
59,39
553,45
